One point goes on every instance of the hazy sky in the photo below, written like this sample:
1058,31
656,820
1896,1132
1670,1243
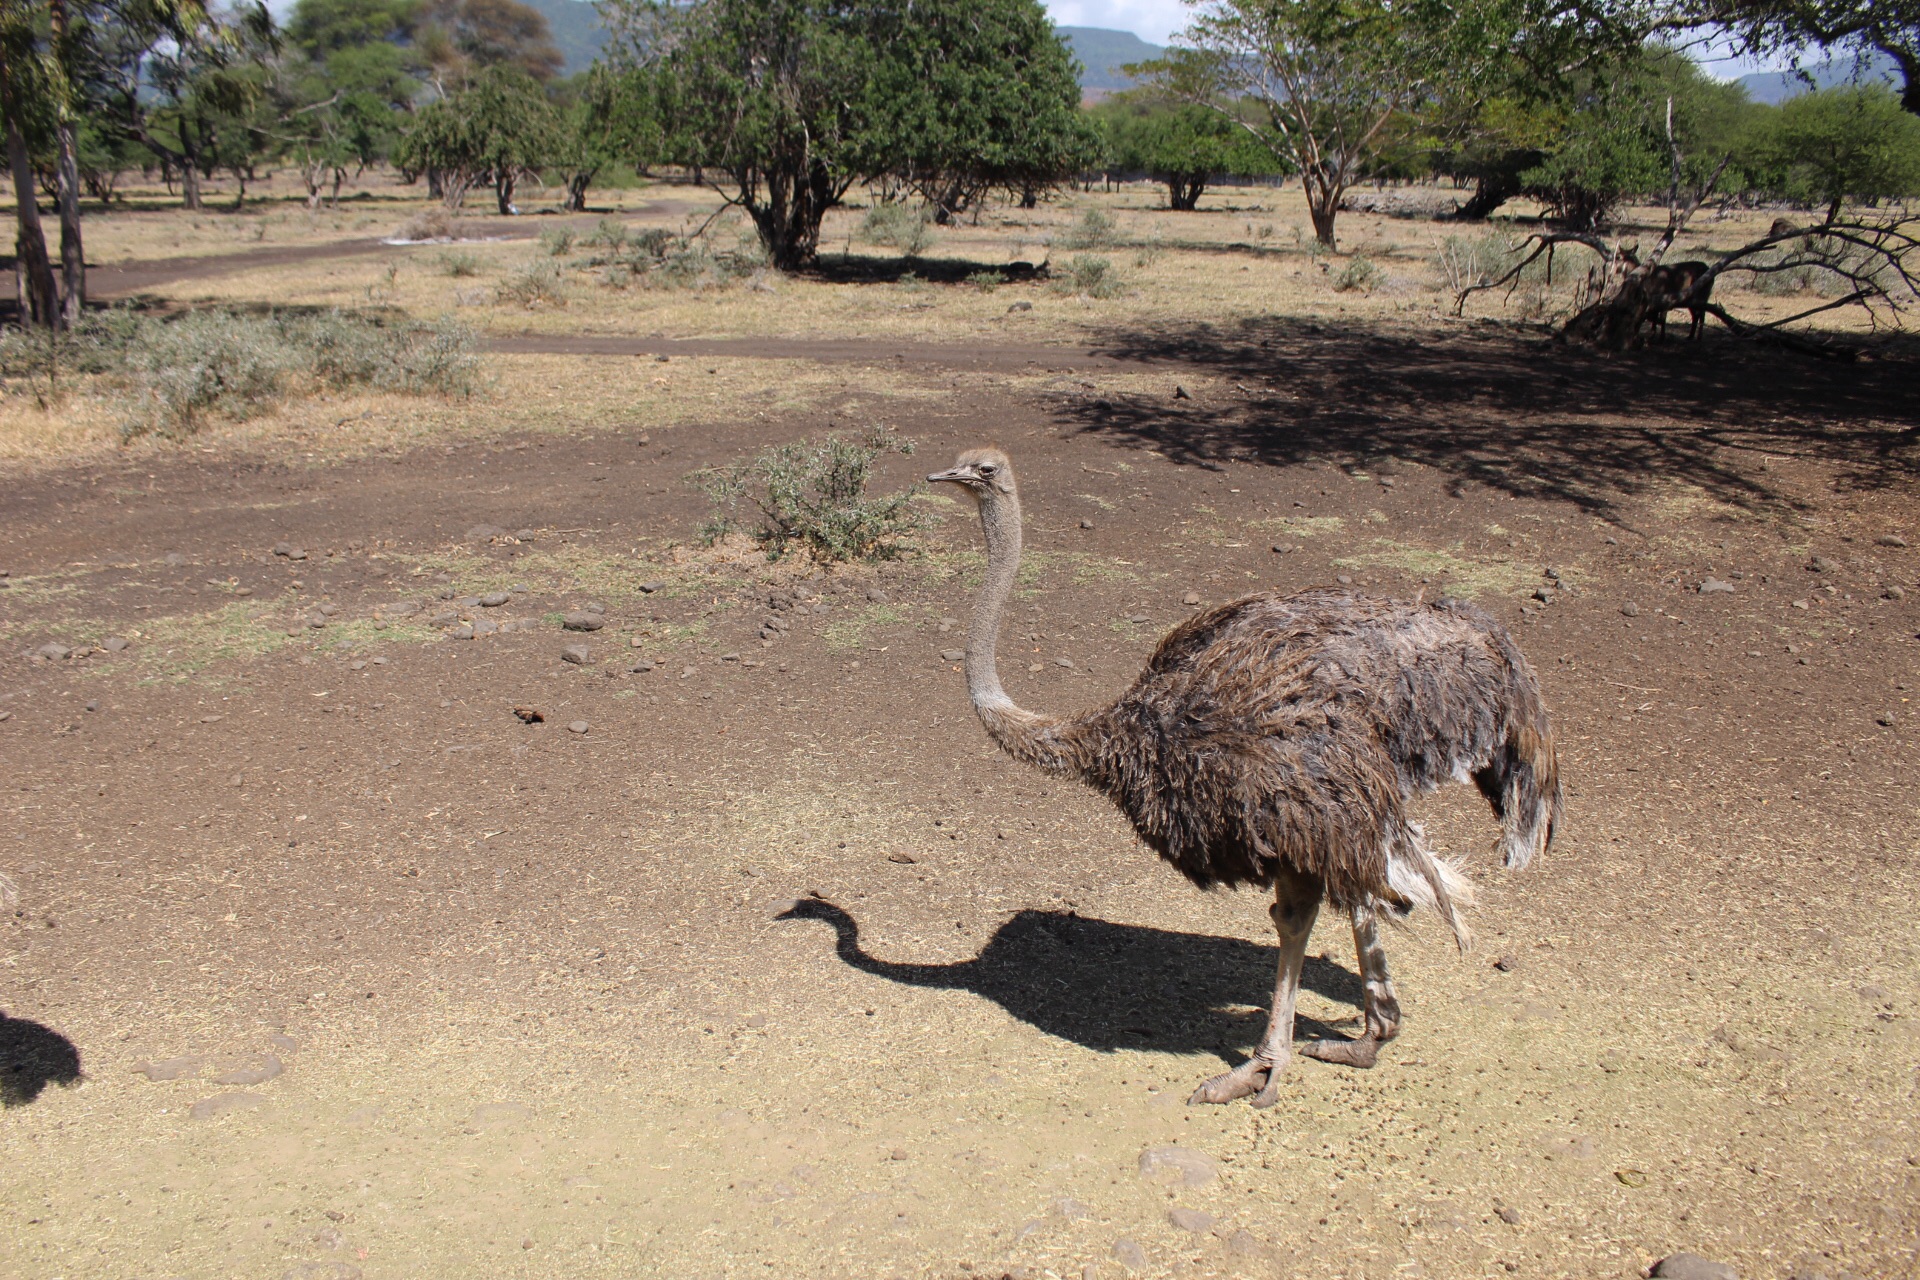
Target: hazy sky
1157,20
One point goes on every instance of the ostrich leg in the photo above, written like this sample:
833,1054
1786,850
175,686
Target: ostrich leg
1296,901
1383,1007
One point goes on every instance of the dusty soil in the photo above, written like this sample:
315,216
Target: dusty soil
326,964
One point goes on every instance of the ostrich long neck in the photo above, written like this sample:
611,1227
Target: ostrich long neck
1025,735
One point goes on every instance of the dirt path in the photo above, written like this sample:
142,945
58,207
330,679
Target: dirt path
367,977
1022,357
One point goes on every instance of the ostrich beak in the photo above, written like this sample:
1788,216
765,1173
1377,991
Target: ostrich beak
958,475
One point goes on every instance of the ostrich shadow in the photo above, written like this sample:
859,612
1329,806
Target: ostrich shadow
31,1058
1108,986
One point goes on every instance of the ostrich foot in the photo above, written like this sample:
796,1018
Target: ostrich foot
1254,1076
1360,1052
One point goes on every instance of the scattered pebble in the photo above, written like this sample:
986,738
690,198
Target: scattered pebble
1895,591
641,667
1887,719
1193,1168
1508,1215
1344,579
484,532
1129,1254
1193,1220
1505,963
1086,524
1890,540
1192,597
93,706
484,626
114,644
1180,393
1020,306
1068,1207
578,654
1820,564
171,1068
648,588
262,1071
174,559
1630,609
1691,1266
1064,662
1712,585
577,726
952,655
223,1103
462,632
53,651
904,859
583,621
494,599
212,719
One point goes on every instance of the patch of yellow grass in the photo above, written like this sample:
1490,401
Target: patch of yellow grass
1467,575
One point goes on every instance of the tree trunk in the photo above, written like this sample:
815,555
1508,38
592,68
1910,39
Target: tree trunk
788,219
39,295
1909,64
1183,191
1833,210
190,184
577,183
1489,193
73,258
503,184
1323,202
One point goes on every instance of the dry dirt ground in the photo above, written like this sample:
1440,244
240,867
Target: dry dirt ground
325,964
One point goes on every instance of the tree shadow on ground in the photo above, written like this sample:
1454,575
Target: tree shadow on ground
1109,986
31,1058
857,268
1516,413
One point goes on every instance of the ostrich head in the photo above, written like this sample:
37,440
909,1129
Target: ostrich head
985,474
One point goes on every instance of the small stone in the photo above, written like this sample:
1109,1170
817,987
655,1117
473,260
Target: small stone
53,651
641,667
583,622
904,859
1086,524
876,596
1020,306
1191,1220
1180,393
494,599
175,559
225,1103
648,588
1691,1266
1890,540
1712,586
729,657
1192,597
329,608
443,619
525,535
1344,579
1506,963
462,632
212,719
262,1071
1551,572
578,654
298,553
484,532
93,706
1068,1207
1243,1243
1193,1168
952,655
897,1154
316,620
1819,564
1886,719
279,549
171,1068
484,626
529,715
1630,609
577,726
114,644
1508,1215
1129,1254
1895,591
1282,548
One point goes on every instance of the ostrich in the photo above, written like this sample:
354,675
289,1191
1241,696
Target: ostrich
1276,741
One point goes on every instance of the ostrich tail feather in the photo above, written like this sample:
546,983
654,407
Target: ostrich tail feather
1421,878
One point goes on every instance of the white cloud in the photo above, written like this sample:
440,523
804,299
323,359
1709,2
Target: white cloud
1151,20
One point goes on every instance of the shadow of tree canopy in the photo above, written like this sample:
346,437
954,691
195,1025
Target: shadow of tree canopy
1109,986
31,1058
1519,414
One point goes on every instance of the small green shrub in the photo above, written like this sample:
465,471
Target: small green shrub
459,265
537,284
557,241
1089,276
986,281
898,225
609,234
1095,230
814,493
1360,275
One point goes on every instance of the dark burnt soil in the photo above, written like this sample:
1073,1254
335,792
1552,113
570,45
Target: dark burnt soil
365,975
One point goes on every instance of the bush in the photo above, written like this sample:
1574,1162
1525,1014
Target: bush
813,492
459,265
534,285
608,235
986,281
899,226
429,224
1095,230
1090,277
556,241
1360,275
178,373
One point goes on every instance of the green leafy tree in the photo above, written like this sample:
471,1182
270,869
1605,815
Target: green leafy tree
497,128
1796,27
1181,144
459,37
1838,144
607,120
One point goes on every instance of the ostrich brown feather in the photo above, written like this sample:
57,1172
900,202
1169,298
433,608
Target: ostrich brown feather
1277,741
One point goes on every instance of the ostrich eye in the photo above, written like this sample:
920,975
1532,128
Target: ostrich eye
987,468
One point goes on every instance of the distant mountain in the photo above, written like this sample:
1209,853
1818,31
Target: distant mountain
576,30
1102,52
1775,87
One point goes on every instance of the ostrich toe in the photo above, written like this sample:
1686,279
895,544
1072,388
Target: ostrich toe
1252,1076
1363,1051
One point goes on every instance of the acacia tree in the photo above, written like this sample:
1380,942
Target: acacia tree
1773,27
498,128
1180,144
1836,144
1324,81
